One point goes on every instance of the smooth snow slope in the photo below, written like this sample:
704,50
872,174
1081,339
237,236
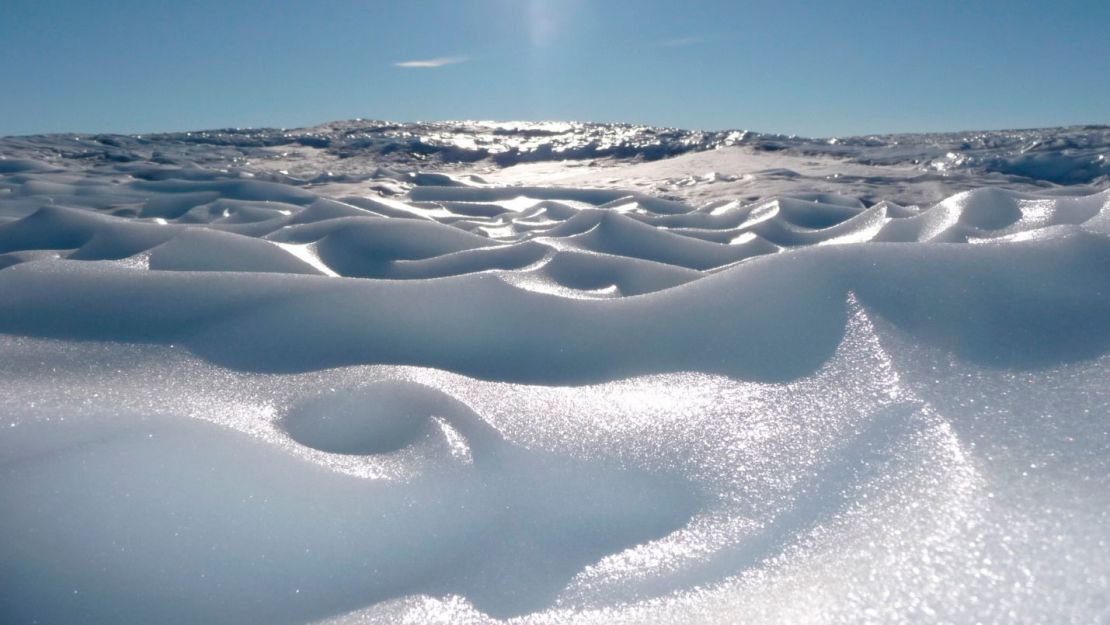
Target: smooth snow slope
764,379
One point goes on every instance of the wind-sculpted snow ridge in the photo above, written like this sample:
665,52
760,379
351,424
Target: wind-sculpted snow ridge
233,398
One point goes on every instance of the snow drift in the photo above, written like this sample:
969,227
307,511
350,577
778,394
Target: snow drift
238,397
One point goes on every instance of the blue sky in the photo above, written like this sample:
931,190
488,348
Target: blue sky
816,68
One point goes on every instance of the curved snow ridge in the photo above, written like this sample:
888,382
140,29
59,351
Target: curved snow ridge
774,319
748,290
436,231
864,487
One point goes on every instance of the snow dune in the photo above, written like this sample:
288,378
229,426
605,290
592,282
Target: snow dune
240,397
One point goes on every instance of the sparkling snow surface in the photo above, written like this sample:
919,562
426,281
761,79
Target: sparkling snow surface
554,373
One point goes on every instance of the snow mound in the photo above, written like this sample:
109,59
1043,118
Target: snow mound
233,398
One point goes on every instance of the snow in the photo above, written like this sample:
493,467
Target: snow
554,373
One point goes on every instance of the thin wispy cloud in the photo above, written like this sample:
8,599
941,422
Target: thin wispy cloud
439,61
682,42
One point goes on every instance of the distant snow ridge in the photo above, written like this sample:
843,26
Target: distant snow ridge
230,394
1074,155
504,143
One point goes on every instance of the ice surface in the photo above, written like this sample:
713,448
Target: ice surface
581,374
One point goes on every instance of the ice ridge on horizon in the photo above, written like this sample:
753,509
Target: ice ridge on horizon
1073,155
